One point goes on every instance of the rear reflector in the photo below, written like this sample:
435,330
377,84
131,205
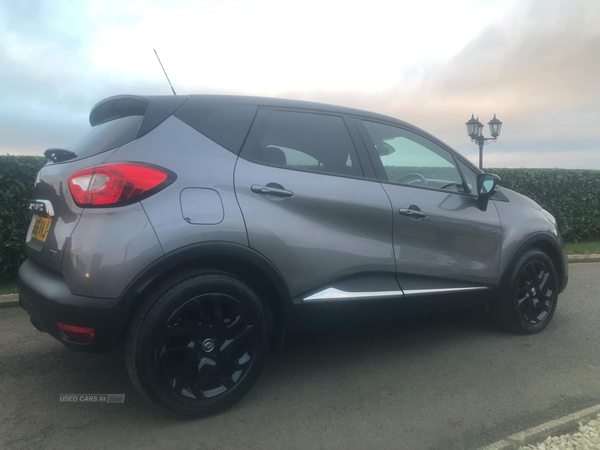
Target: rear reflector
117,184
80,335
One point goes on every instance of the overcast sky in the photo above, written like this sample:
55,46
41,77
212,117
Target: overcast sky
535,63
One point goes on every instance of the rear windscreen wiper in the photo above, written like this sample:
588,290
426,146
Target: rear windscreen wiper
59,154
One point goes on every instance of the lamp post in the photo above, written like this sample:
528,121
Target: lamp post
475,132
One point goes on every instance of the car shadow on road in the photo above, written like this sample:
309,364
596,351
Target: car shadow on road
343,341
315,356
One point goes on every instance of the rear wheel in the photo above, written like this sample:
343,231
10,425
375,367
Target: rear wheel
527,303
198,345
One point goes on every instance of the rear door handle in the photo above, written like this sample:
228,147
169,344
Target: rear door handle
413,213
268,190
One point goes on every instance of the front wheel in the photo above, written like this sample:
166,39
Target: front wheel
526,304
198,344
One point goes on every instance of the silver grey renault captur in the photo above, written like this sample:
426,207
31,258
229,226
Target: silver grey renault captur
192,229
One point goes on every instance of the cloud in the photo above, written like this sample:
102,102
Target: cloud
535,66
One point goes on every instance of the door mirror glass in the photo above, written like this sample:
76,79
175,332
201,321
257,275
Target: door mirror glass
487,184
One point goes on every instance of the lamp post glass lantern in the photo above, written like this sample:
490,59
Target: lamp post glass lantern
480,130
495,127
472,126
475,132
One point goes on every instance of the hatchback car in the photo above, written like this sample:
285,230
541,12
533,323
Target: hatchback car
192,229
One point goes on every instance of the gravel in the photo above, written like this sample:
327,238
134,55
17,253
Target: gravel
587,438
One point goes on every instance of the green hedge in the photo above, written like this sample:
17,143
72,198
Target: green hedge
17,177
572,196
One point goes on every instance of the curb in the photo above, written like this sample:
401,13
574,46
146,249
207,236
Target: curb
591,257
541,432
8,300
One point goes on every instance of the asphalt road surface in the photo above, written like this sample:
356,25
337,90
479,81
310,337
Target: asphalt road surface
449,381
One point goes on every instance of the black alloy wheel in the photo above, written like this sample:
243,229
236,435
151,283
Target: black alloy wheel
535,294
206,346
198,344
526,301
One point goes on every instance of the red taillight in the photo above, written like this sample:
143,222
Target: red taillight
81,335
114,183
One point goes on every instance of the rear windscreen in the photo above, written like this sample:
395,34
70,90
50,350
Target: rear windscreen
107,136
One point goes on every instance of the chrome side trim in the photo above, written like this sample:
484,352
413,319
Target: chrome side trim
440,290
330,294
337,294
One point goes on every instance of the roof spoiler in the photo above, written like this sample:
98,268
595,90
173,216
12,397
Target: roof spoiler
155,109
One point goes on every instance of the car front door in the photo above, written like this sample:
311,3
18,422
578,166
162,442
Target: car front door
443,240
310,208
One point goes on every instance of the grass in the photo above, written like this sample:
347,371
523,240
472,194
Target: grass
8,287
582,247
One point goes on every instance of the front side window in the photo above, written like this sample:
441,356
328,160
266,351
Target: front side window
307,141
408,158
470,176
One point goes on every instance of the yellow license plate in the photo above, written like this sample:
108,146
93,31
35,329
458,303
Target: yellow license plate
41,227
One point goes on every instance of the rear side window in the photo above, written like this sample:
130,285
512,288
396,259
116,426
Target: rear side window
307,141
227,125
107,136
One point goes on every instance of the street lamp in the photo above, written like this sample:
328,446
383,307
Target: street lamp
475,132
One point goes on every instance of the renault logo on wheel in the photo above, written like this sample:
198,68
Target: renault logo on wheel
208,345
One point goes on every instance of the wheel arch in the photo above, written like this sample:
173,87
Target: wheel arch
542,241
243,262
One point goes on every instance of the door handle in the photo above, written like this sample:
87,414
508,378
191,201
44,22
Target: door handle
268,190
412,213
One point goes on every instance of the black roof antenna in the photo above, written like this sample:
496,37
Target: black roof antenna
164,71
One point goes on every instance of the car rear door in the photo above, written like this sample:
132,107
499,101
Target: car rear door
444,242
313,207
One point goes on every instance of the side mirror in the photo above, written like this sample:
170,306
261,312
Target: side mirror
486,187
487,184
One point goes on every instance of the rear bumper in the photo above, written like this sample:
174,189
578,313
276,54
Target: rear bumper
45,296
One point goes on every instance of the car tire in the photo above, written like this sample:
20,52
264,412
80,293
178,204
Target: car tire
526,303
198,343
